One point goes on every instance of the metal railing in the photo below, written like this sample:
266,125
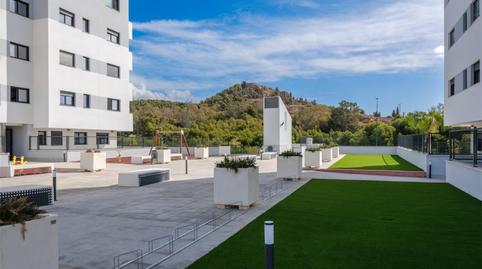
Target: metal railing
466,145
431,143
162,248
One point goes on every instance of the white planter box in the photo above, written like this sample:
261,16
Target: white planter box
290,167
327,155
220,151
90,161
335,152
313,159
201,153
231,188
164,156
40,249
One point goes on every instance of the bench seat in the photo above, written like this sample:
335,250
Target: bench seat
144,177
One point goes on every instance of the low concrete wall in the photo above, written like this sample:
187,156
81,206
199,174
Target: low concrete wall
74,155
465,177
368,150
417,158
438,165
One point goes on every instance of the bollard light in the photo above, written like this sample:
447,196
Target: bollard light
54,183
430,169
269,244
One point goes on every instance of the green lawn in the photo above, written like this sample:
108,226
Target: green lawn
362,224
374,162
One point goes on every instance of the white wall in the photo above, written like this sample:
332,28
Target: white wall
367,150
415,157
277,127
465,177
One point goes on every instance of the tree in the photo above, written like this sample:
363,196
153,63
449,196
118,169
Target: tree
345,117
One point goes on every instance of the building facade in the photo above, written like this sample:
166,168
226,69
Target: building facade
463,93
277,125
64,75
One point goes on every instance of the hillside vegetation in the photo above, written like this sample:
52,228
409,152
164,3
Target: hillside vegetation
235,116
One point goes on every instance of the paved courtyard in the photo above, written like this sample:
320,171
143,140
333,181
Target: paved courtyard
99,220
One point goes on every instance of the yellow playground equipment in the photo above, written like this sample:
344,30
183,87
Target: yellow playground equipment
17,162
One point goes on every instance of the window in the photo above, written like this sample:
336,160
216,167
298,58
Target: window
102,138
476,73
85,25
19,95
67,18
19,51
465,22
86,101
67,58
67,98
475,10
86,63
56,138
113,104
452,87
113,36
113,71
452,38
114,4
464,77
80,138
19,7
42,138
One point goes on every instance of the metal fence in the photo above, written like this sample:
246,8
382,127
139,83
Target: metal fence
431,143
466,145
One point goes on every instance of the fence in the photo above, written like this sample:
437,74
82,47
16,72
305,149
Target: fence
466,145
431,143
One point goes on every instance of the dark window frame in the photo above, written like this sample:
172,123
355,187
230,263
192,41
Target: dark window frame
70,54
80,138
114,4
113,36
63,99
110,101
102,138
476,73
64,14
42,138
14,94
86,66
86,100
475,10
17,10
452,38
452,87
118,70
56,138
85,25
16,51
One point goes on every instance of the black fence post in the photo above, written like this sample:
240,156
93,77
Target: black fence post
475,145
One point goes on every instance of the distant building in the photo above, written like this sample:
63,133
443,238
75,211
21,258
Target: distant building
64,75
463,93
277,125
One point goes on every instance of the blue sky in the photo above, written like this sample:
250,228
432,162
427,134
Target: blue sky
327,50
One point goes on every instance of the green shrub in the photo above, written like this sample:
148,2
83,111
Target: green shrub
235,164
314,149
290,153
93,151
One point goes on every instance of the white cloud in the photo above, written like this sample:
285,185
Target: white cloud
159,89
300,3
397,37
439,51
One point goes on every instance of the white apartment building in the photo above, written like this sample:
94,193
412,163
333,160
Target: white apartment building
64,75
277,125
463,93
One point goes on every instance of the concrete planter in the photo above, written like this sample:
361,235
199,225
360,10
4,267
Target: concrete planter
313,159
201,153
335,152
231,188
92,161
220,151
327,154
39,248
164,156
290,167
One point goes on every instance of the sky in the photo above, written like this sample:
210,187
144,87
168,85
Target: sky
323,50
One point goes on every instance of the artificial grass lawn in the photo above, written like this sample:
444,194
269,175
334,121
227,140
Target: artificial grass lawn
374,162
362,224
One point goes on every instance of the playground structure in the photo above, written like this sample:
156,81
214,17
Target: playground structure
159,141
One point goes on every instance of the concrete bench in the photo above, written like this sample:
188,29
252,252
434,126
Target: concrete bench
141,159
36,194
244,156
176,156
144,177
268,155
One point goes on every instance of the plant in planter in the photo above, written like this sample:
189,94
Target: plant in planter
92,160
313,157
236,182
36,235
163,155
290,165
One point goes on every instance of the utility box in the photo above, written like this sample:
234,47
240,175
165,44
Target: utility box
277,125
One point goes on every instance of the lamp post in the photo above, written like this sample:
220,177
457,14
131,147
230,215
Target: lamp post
269,244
